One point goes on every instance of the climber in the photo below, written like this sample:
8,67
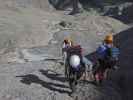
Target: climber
67,43
107,57
84,62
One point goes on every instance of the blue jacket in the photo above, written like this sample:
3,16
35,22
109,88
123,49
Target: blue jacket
104,51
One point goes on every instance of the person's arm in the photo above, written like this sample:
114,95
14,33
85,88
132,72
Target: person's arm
63,45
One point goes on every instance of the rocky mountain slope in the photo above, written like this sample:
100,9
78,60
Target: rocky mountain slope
31,33
27,28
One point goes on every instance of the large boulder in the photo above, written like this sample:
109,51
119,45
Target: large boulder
123,77
122,12
60,4
128,13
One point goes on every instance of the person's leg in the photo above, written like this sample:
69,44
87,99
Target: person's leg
106,73
88,68
84,76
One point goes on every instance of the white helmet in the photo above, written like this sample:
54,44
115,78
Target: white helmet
74,61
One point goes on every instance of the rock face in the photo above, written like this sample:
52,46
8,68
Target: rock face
42,4
30,34
128,14
90,91
119,10
33,81
60,4
27,28
124,79
122,12
32,27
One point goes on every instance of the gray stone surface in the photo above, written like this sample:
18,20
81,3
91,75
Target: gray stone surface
30,52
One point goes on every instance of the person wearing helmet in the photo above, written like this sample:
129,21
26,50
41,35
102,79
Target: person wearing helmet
67,43
103,48
105,53
84,62
109,40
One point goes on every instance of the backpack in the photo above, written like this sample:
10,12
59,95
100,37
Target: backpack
75,50
112,57
113,52
102,51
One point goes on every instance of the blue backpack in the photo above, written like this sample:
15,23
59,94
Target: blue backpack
104,51
114,52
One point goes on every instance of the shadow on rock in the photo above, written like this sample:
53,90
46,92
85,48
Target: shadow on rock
30,78
88,82
53,76
124,41
123,77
